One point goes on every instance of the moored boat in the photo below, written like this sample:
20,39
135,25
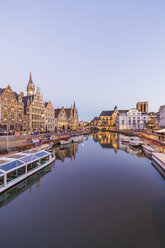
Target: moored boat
136,143
16,167
159,158
78,139
65,142
159,169
148,150
125,139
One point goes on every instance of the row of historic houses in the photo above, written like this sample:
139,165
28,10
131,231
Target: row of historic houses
19,112
131,119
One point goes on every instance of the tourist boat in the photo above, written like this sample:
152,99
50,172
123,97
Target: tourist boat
159,158
148,150
16,167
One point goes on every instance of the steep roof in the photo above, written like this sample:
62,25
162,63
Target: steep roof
15,94
123,111
57,111
1,91
46,103
67,111
106,113
25,99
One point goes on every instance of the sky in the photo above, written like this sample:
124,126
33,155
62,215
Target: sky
97,53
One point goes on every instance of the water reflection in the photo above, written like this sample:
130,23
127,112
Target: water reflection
68,151
27,184
113,141
61,153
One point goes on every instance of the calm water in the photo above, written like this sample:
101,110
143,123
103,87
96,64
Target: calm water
101,195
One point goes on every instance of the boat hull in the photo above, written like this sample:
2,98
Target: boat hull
66,142
159,169
147,152
158,161
11,184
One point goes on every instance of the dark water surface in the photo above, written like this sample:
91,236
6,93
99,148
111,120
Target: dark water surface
101,195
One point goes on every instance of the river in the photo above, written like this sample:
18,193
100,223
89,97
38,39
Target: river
100,195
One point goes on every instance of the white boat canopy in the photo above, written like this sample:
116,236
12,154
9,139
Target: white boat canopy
161,131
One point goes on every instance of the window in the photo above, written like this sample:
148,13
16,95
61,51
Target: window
32,166
44,160
1,181
15,174
12,116
5,115
20,117
21,171
5,106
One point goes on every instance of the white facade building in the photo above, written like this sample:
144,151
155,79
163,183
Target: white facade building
161,116
131,119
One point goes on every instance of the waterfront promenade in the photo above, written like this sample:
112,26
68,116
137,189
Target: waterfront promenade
13,143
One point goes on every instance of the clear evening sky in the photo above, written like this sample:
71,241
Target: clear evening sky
98,53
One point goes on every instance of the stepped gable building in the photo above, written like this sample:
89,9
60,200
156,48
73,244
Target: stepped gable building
49,117
11,110
34,108
66,118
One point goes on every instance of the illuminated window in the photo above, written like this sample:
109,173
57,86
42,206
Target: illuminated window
20,117
5,115
12,116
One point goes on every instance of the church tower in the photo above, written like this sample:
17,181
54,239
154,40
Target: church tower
75,116
30,87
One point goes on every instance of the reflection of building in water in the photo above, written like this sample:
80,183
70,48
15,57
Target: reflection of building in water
113,141
66,152
19,188
106,139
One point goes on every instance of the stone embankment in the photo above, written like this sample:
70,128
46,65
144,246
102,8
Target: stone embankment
25,142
